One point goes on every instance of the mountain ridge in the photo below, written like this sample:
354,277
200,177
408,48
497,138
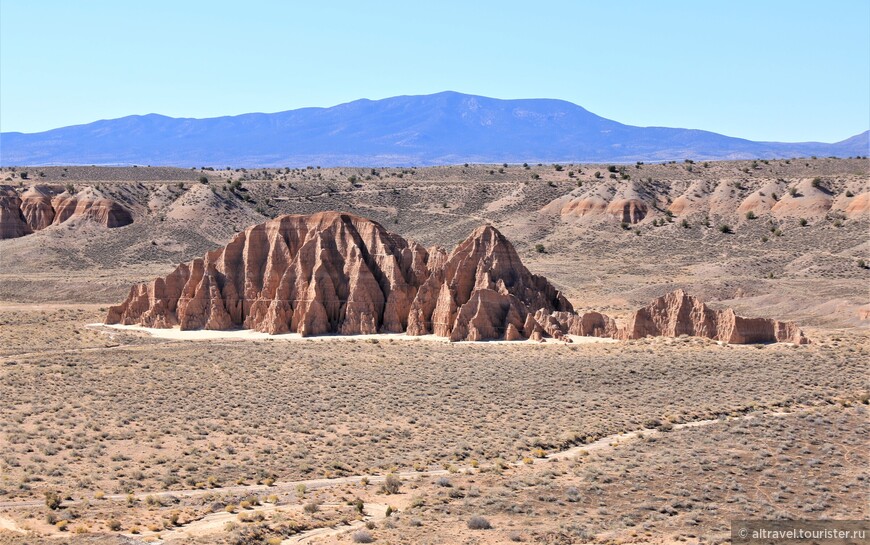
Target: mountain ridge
411,130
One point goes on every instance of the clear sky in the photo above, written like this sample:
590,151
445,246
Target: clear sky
786,70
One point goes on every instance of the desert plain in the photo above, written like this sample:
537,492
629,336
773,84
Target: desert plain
115,435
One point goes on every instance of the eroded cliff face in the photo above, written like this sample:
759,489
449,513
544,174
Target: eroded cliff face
42,206
481,291
678,313
336,273
12,221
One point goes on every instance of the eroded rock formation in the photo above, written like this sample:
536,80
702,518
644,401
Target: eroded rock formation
12,221
678,313
339,273
42,206
336,273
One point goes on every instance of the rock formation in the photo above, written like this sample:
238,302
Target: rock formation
336,273
12,221
859,206
480,291
36,208
678,313
42,206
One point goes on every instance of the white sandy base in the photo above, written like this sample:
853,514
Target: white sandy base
177,334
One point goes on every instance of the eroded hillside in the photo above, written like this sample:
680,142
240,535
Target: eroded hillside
771,238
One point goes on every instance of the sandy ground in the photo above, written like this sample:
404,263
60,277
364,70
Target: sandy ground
176,334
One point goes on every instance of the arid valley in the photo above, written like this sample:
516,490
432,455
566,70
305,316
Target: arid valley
114,433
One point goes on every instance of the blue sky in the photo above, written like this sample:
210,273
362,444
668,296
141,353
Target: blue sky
765,70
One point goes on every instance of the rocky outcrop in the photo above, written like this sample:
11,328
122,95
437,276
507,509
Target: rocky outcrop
12,221
627,210
334,273
859,206
42,206
678,313
36,208
482,273
89,206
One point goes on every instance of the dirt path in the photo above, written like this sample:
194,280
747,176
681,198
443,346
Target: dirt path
373,511
9,525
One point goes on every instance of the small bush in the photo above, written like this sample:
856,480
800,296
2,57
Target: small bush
311,507
750,215
725,229
52,500
540,248
392,484
478,523
362,536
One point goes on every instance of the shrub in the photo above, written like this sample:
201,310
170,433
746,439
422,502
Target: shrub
362,536
478,523
311,507
685,224
392,484
725,229
540,248
803,222
750,215
359,506
793,192
52,500
114,525
203,179
862,264
817,182
849,194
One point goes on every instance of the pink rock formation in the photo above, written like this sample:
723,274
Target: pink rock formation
678,313
41,206
37,209
336,273
593,205
339,273
12,221
482,279
859,206
103,211
627,210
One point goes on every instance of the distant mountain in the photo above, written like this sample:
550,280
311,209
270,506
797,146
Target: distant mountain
444,128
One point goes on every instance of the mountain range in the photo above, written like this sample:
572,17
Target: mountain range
437,129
